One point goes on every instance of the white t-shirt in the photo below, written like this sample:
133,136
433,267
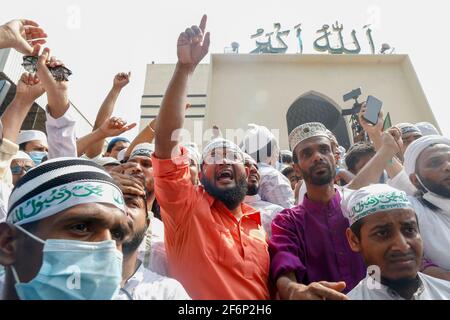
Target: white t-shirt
267,210
147,285
430,289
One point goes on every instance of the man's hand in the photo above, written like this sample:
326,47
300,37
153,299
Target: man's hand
193,44
391,140
121,80
29,88
374,131
317,291
58,101
127,183
22,35
115,127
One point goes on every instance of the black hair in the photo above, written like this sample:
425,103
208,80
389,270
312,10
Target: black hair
287,171
22,146
356,228
294,157
156,209
285,158
356,152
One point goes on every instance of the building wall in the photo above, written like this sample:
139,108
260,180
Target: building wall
156,81
239,89
260,88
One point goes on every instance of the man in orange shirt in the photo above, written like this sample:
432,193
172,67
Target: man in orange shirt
216,246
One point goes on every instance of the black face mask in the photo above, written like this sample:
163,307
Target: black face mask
231,198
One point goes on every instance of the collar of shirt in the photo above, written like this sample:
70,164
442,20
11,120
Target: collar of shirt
335,203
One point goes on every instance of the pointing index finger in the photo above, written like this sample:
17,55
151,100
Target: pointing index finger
202,25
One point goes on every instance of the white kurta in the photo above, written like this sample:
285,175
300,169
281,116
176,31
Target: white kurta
430,289
147,285
274,187
435,231
267,210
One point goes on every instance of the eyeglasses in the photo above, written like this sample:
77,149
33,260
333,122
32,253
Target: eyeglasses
59,73
20,170
218,157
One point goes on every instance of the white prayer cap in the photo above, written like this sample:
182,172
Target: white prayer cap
407,128
31,135
256,143
104,161
373,199
249,158
143,149
414,150
221,143
121,154
306,131
21,155
427,129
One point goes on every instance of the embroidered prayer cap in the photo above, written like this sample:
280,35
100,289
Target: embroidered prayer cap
31,135
260,144
220,143
105,161
427,129
194,153
143,149
415,149
21,155
59,184
373,199
407,128
306,131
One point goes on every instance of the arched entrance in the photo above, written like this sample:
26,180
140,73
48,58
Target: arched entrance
315,107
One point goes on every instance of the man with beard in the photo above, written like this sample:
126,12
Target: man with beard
139,282
385,231
427,164
215,243
311,258
268,210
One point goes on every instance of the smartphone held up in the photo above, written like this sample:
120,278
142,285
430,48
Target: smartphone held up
373,108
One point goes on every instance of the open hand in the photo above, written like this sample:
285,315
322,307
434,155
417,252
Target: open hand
23,35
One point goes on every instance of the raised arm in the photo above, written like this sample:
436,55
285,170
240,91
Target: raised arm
192,46
28,89
373,170
22,35
110,128
375,133
106,110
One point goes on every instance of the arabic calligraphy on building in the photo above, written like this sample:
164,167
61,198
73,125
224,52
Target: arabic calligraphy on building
274,42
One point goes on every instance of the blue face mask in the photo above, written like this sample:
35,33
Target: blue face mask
37,156
74,270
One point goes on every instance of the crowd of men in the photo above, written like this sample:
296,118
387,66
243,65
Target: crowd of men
156,219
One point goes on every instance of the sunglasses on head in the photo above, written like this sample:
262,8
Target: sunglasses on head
59,73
